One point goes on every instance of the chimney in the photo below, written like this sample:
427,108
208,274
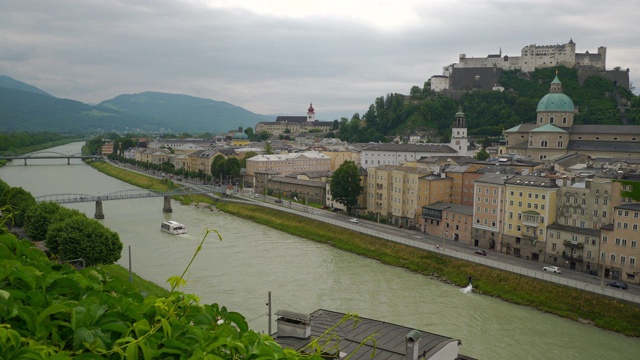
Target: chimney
292,324
412,340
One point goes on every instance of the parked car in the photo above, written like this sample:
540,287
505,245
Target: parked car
618,284
353,221
480,252
553,269
278,201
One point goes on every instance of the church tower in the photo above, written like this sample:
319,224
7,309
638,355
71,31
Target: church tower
459,140
311,114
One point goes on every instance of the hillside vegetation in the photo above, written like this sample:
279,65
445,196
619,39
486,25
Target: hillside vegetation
26,108
488,113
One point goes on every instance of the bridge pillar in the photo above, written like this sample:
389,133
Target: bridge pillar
167,205
25,162
68,161
99,214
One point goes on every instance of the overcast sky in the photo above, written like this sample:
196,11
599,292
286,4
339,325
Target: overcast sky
277,56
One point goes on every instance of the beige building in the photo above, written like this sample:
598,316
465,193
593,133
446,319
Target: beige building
619,251
338,157
295,124
288,163
573,241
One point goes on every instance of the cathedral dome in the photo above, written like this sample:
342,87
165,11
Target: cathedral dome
555,100
240,136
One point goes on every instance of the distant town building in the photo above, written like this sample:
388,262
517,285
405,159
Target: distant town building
295,124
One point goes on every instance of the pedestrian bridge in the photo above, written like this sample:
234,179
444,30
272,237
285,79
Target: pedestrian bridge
45,155
124,195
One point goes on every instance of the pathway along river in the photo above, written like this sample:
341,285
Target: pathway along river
304,276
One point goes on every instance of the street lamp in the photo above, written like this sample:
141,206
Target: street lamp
444,237
604,260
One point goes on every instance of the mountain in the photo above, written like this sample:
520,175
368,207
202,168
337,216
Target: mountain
185,113
26,108
11,83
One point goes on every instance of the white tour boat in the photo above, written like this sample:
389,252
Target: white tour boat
173,227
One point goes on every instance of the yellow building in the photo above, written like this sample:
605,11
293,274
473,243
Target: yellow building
529,209
393,191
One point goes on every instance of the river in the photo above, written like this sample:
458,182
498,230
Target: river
303,276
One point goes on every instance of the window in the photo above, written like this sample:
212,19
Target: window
553,247
634,243
518,228
604,239
613,258
622,260
618,241
624,242
632,261
595,212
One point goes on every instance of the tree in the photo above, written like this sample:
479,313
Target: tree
20,200
39,218
79,237
232,167
482,155
267,148
346,185
217,166
249,132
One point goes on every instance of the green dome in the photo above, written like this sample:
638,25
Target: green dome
240,135
555,102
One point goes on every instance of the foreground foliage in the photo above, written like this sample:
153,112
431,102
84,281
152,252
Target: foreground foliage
52,311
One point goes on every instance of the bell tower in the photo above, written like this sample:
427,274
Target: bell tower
459,140
311,114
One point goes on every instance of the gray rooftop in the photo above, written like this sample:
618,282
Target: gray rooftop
390,339
440,148
532,181
574,229
621,146
494,178
605,129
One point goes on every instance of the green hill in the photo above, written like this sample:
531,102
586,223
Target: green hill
490,112
27,108
11,83
185,113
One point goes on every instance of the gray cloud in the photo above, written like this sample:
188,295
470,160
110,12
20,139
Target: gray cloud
94,50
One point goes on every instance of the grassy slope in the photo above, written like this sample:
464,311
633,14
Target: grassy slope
567,302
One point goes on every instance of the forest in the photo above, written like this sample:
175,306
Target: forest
488,113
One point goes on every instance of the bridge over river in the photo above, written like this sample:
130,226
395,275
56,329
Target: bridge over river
45,155
125,194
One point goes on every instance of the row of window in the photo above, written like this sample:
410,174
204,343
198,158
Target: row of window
627,213
622,259
529,195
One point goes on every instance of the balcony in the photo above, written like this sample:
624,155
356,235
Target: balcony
573,244
531,219
571,257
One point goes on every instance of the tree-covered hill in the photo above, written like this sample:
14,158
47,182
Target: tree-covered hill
490,112
185,113
27,108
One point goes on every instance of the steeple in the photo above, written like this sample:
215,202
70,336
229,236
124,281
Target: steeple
556,85
311,114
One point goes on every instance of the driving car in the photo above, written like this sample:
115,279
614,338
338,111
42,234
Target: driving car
278,201
553,269
354,221
480,252
618,284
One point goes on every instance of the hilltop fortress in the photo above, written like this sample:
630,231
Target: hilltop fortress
471,73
